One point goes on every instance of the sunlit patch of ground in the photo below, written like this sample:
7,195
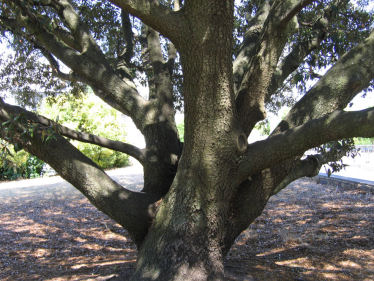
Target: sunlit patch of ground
307,232
58,235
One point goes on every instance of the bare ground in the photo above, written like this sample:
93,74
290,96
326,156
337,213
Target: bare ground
307,232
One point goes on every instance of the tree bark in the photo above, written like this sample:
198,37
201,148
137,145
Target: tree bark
199,196
185,241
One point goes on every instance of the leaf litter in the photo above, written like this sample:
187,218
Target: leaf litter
307,232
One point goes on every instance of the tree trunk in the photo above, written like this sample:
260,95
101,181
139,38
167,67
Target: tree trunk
184,241
163,150
187,238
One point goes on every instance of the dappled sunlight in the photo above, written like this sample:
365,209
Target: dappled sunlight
309,232
59,235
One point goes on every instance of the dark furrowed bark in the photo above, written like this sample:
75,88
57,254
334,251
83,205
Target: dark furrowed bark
174,248
163,148
267,49
207,195
163,151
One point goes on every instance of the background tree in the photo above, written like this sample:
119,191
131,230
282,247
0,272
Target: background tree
227,64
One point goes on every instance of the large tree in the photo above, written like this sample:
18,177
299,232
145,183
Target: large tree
226,64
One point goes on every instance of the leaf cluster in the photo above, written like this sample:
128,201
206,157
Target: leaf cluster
86,113
344,147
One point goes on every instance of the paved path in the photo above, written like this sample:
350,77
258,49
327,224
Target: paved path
131,177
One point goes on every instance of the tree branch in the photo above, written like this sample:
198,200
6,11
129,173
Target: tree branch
295,141
56,67
78,28
133,210
155,15
11,110
346,78
308,167
172,51
119,93
255,81
349,76
129,37
293,60
240,64
294,10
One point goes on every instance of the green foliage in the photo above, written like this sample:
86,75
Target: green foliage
347,146
263,127
89,114
18,164
180,128
33,167
28,78
363,141
344,25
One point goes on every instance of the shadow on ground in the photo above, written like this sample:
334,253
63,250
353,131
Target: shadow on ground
307,232
55,234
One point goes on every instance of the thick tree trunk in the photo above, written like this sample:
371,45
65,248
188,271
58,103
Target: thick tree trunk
187,238
184,241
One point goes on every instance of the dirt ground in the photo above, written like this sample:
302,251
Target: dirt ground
307,232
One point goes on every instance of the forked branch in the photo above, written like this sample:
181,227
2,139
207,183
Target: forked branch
133,210
292,142
349,76
155,15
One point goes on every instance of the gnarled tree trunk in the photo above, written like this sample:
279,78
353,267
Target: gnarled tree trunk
200,195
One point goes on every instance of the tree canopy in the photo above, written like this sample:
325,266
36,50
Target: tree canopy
226,64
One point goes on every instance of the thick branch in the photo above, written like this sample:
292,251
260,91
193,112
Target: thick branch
267,50
294,10
240,64
308,167
349,76
78,28
119,93
155,15
133,210
172,51
293,60
334,126
161,75
128,35
11,110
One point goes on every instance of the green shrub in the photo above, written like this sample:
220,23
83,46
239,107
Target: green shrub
89,114
33,167
85,113
20,164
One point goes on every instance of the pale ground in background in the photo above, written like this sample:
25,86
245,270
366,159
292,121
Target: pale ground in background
361,167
